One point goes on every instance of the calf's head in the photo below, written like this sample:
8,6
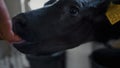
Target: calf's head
59,25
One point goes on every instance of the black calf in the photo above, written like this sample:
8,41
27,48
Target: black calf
64,24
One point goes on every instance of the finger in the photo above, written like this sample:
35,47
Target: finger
0,37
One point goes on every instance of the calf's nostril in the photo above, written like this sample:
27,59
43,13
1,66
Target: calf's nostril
21,22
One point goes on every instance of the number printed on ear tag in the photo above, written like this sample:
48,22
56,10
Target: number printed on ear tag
113,13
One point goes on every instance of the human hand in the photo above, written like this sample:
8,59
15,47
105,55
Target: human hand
7,34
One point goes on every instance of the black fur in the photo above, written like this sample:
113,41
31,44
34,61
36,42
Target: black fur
64,24
108,58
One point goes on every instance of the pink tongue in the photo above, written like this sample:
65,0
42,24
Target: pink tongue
22,41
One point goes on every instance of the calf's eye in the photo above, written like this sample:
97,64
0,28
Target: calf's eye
74,11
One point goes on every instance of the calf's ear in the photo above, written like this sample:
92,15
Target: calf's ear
116,1
93,3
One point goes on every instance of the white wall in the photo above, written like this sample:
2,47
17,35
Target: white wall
34,4
79,57
14,7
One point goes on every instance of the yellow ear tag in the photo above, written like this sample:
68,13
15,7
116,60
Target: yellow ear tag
113,13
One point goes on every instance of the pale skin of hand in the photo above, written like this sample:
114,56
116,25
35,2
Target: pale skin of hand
6,32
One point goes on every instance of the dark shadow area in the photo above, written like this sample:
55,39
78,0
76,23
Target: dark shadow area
56,60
